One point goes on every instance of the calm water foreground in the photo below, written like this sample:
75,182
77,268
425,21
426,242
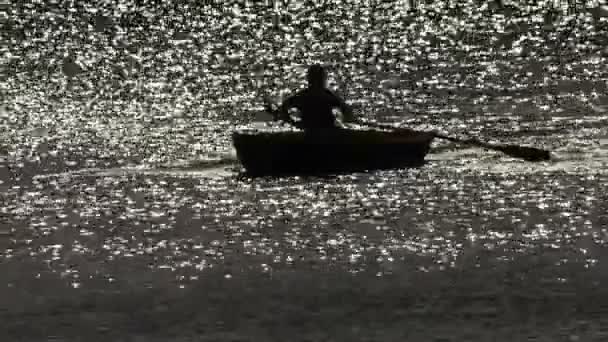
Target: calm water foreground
124,217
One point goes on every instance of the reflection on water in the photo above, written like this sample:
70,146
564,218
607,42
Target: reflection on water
187,219
116,160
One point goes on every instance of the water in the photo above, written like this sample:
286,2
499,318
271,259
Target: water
124,214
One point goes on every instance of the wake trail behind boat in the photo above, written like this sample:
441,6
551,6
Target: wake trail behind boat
219,167
216,167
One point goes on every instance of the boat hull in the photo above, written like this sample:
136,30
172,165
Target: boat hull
333,151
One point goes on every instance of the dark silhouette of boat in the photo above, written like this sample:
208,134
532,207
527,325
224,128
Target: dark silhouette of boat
329,151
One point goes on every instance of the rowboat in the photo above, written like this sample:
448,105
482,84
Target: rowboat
329,151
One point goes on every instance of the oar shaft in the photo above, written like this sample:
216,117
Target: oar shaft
445,137
527,153
463,141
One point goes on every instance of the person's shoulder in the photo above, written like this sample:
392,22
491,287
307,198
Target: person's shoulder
294,99
329,91
301,92
332,95
295,94
298,94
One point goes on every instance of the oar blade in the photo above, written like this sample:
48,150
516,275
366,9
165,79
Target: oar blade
532,154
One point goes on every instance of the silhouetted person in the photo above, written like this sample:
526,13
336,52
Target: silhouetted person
315,103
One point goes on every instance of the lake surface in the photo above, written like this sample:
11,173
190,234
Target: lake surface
124,215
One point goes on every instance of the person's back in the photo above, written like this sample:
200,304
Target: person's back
316,103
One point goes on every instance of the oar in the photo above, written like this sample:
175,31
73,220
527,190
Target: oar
527,153
272,109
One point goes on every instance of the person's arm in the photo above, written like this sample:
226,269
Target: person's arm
283,111
347,111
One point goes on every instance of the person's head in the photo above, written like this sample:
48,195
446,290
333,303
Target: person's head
317,76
